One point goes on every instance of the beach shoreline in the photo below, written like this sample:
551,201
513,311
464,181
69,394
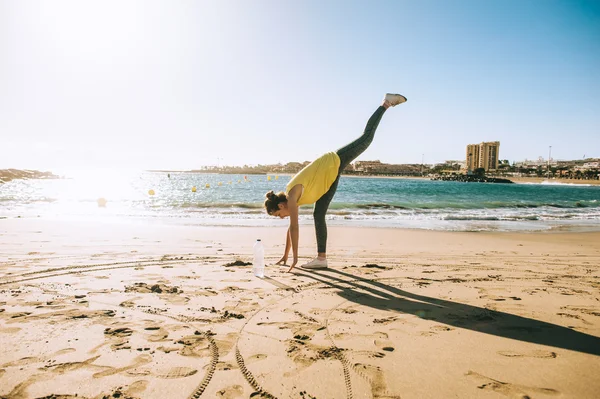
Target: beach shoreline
543,180
101,308
12,174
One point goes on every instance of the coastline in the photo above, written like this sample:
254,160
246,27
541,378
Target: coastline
128,309
542,180
7,175
539,180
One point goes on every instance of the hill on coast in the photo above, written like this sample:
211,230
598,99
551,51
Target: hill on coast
7,175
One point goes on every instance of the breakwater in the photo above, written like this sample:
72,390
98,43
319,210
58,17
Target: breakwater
471,179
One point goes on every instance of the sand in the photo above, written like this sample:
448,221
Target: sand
101,310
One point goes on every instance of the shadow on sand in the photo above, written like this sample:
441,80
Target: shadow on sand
377,295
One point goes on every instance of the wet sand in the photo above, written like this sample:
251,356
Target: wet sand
94,310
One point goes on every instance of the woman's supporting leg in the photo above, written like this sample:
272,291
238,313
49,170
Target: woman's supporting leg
321,207
347,154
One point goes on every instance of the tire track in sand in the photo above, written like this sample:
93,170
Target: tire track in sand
77,269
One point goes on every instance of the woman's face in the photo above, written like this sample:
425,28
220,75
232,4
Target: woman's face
282,212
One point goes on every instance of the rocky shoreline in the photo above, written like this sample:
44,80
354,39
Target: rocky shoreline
7,175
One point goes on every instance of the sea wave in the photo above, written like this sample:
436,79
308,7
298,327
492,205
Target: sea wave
503,217
466,205
219,205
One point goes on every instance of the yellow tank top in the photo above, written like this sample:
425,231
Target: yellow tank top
316,178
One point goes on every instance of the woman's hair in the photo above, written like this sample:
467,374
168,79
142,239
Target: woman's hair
273,200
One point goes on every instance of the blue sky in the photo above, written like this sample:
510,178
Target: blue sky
177,85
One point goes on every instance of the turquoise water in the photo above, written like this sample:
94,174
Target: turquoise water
235,200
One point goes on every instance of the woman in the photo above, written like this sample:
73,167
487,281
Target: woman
317,183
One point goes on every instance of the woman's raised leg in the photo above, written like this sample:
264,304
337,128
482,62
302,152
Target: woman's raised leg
347,154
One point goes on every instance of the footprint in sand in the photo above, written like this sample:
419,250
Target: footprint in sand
223,366
138,361
175,299
383,343
510,390
145,288
537,353
370,354
235,391
176,372
441,328
69,314
590,310
435,330
256,358
194,345
168,349
130,303
118,332
226,343
374,376
20,390
136,387
573,316
62,368
17,315
385,320
35,359
376,335
305,354
10,330
157,334
302,315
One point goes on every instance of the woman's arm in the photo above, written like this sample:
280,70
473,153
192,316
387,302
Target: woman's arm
294,229
288,243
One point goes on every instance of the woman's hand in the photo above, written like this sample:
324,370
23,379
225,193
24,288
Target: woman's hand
293,264
282,261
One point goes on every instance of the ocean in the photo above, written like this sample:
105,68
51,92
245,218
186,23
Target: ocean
236,200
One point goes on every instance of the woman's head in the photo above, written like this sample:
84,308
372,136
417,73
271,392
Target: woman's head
276,204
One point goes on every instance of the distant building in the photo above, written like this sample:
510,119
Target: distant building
591,165
483,155
380,168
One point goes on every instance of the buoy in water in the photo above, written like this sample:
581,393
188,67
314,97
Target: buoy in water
276,177
194,189
150,192
269,178
220,184
207,185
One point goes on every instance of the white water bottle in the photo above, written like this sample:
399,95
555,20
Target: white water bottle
259,259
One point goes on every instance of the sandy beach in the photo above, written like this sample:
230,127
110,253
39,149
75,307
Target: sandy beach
105,310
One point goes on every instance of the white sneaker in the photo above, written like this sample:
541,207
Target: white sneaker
395,99
316,263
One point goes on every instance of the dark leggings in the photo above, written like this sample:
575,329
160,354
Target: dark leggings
347,154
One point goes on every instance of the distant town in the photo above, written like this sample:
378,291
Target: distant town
481,159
